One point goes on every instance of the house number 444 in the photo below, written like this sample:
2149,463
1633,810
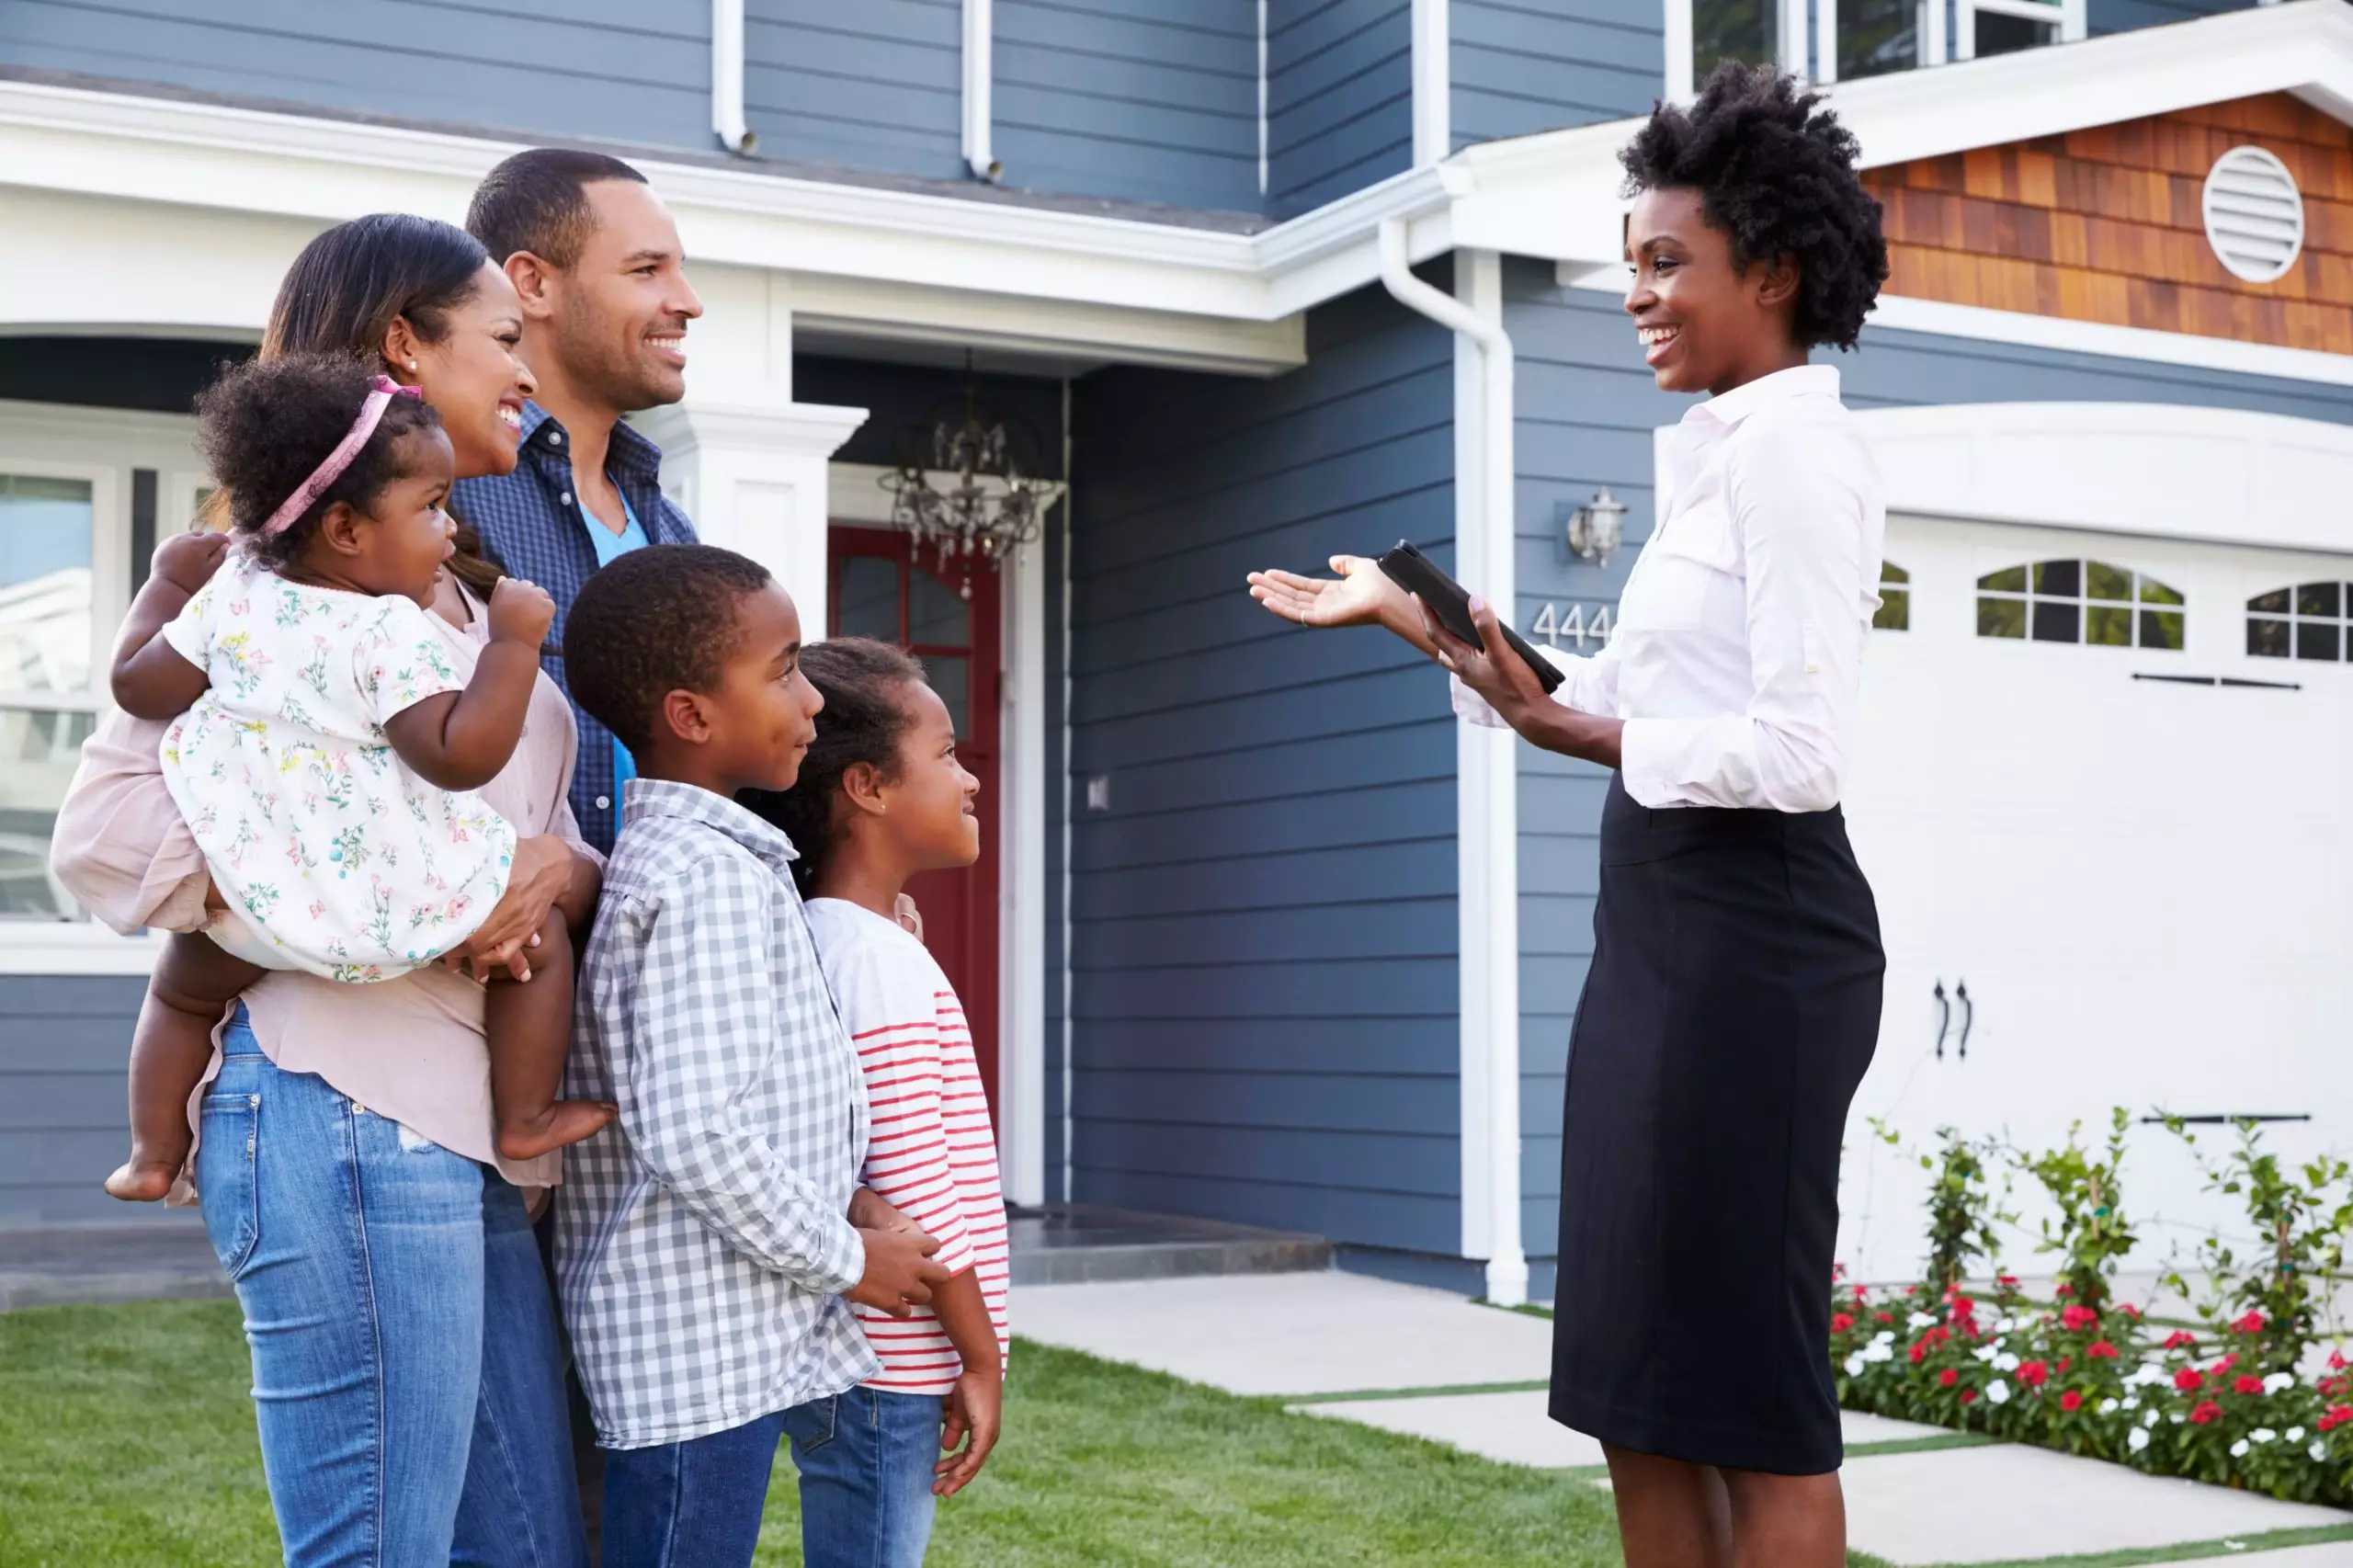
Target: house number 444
1556,627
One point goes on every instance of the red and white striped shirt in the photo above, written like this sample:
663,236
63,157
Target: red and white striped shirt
933,1156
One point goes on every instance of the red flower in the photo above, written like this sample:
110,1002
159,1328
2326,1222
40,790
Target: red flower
2071,1400
2100,1350
1962,1304
2128,1310
1858,1292
2187,1381
1884,1317
2179,1339
2005,1279
2336,1360
2251,1324
1840,1322
1947,1378
1969,1396
2335,1416
1919,1350
2062,1289
2247,1385
2207,1412
2032,1373
2078,1318
2065,1362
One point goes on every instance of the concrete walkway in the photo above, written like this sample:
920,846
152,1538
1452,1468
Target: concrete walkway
1345,1347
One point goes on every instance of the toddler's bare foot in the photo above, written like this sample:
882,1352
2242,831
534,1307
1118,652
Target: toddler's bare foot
138,1180
565,1121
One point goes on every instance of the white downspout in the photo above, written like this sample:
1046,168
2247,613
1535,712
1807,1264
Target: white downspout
727,78
979,73
1488,854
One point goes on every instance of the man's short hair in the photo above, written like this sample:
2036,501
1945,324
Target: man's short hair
538,202
659,620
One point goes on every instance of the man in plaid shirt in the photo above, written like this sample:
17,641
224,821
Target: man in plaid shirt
595,261
706,1240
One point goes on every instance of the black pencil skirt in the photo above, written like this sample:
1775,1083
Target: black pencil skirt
1732,1007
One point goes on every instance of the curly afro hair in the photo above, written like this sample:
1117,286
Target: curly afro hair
863,682
659,620
1777,175
266,425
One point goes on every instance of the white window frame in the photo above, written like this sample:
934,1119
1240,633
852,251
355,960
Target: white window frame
101,447
1800,53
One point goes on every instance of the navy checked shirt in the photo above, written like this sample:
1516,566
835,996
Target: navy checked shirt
532,523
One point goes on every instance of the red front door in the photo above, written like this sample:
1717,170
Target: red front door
879,589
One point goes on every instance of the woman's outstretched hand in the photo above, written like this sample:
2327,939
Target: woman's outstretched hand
1362,595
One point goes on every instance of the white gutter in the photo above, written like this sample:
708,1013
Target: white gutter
727,77
1433,76
1486,763
980,76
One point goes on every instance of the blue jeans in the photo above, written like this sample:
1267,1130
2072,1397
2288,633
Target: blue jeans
866,1461
407,1379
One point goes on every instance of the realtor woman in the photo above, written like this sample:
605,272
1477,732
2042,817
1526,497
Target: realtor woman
1733,998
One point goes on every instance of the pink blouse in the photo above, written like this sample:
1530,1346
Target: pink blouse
410,1048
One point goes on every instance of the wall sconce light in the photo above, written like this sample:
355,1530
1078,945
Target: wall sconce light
1598,528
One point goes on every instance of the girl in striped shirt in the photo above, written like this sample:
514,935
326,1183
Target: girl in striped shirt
882,798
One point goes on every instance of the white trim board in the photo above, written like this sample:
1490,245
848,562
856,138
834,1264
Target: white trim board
1551,195
2210,475
2029,330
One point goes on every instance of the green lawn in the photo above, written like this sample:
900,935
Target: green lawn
126,1438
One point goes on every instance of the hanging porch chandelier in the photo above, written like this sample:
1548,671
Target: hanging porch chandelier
966,486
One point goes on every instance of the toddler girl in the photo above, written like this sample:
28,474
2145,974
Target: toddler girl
327,747
880,798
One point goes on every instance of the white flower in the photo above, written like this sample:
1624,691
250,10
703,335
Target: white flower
2178,1418
2005,1362
1985,1354
1854,1365
2295,1434
2318,1451
2131,1401
2238,1449
2279,1381
2151,1418
2006,1325
1920,1320
2264,1435
1998,1391
2139,1438
1884,1336
2108,1407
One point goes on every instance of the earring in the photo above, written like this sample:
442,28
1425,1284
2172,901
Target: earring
412,365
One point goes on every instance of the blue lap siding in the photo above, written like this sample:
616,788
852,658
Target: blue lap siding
1121,98
1263,950
1527,66
1586,410
1340,99
64,1046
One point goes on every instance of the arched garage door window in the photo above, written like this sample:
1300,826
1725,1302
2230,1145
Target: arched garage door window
2079,601
2306,621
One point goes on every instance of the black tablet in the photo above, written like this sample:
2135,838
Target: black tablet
1450,602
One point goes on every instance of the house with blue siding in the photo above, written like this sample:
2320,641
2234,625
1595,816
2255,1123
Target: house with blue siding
1261,934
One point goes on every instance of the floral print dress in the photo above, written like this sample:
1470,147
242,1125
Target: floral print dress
348,863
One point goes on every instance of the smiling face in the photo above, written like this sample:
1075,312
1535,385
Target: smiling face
619,324
929,798
474,377
1705,321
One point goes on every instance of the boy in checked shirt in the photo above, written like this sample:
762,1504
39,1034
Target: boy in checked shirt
707,1244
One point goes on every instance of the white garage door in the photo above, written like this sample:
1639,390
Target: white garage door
2118,840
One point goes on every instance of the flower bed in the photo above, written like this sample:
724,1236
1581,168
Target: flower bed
2241,1402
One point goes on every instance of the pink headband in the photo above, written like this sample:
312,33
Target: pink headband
371,413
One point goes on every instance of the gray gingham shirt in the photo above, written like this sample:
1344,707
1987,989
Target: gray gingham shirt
703,1238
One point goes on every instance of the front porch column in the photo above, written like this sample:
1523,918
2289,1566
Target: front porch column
752,476
746,462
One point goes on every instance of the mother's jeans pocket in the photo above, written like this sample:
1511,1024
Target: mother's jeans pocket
226,1182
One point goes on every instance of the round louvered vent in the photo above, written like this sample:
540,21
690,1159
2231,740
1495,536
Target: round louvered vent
2255,214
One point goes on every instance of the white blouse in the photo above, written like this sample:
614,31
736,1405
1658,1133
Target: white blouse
1740,636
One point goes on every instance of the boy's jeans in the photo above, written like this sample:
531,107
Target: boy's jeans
865,1459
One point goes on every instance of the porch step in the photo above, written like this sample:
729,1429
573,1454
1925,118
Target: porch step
47,1266
1080,1243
